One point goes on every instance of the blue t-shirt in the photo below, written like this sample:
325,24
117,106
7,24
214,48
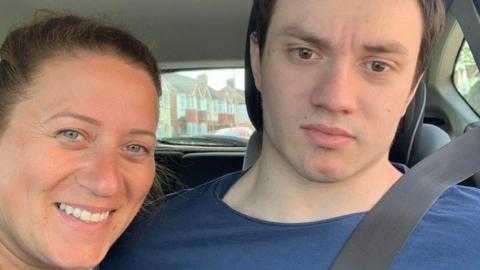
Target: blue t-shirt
197,230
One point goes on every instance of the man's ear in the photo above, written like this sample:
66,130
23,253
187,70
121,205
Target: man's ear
255,61
413,91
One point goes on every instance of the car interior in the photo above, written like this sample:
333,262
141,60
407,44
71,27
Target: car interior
196,37
210,120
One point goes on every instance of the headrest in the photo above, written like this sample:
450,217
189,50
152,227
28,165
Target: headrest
407,131
409,128
252,95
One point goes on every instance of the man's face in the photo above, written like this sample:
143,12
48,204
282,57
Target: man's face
336,76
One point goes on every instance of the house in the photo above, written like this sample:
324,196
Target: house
191,107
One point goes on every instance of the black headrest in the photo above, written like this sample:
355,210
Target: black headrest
252,95
409,127
407,130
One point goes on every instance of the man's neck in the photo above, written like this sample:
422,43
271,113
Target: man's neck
276,192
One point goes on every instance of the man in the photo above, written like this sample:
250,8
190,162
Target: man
335,76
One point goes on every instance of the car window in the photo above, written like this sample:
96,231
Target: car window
203,103
466,77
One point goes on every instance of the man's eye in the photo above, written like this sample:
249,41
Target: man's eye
135,148
377,66
70,134
305,53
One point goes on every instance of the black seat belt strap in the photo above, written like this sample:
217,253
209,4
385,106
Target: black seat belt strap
380,235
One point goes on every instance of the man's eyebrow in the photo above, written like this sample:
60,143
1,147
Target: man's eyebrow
390,47
74,115
309,37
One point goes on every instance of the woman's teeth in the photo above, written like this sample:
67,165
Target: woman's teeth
83,214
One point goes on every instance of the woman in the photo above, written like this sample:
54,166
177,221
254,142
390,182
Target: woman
78,114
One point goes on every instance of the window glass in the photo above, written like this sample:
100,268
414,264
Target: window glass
467,78
208,103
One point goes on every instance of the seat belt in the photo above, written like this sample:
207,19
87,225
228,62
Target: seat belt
380,235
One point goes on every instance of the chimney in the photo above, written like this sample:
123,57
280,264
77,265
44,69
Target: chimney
202,81
231,83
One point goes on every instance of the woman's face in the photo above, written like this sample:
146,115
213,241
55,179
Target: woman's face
76,161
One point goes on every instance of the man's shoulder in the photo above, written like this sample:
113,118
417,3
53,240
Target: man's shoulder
458,207
460,199
448,235
177,220
454,217
205,192
189,204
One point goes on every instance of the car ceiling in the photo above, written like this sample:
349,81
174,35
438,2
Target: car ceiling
182,33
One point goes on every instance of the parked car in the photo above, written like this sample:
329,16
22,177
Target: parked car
240,132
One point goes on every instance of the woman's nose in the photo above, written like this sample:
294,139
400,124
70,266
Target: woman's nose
102,176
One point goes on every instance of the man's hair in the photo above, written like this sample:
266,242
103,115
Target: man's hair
49,35
433,12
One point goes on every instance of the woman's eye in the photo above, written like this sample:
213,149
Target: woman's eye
70,134
377,66
135,148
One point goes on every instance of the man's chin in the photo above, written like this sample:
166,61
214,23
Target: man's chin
323,175
321,168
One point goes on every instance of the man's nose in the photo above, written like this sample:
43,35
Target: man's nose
102,176
336,89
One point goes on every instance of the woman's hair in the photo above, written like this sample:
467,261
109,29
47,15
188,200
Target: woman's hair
50,35
28,47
